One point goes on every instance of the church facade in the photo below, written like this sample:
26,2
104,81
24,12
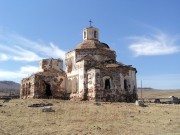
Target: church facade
92,73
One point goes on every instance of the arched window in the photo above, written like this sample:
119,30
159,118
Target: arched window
84,34
107,84
95,34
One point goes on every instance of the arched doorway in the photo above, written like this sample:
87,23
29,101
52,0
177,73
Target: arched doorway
48,91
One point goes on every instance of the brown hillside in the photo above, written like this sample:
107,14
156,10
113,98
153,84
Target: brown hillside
153,93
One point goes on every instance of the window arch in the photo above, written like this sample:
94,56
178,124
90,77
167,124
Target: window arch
107,84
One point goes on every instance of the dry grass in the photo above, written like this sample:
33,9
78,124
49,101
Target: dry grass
80,118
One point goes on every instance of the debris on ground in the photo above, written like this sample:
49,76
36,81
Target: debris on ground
6,100
96,103
169,100
157,100
41,105
48,109
140,103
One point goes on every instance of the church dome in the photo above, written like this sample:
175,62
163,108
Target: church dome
92,44
91,39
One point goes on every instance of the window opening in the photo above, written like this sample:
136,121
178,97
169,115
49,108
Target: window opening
95,34
107,84
125,84
84,35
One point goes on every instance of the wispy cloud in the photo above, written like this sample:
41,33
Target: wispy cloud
21,50
18,48
18,53
155,44
17,74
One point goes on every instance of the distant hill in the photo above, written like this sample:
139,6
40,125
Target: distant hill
9,87
158,93
145,88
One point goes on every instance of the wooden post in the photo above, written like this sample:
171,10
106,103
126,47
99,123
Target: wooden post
141,89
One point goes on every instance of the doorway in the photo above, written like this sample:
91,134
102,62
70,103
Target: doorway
48,92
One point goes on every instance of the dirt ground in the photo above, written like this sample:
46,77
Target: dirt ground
85,118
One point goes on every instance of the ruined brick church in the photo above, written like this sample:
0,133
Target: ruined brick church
92,73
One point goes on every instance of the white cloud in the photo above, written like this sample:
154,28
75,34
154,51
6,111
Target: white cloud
50,50
157,44
57,52
19,48
19,54
3,57
26,55
19,74
28,69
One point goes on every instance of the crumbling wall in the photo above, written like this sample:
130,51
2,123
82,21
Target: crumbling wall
76,76
132,76
45,85
112,87
48,64
27,87
91,84
70,62
76,81
97,54
50,85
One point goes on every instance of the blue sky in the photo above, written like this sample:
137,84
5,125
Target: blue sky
145,34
